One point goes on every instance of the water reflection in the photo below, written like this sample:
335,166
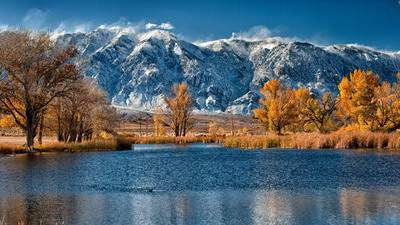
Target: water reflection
346,206
362,206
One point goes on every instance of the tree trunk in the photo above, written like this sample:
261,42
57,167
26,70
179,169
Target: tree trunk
184,128
280,130
232,127
72,132
60,133
31,125
176,131
80,132
41,127
30,139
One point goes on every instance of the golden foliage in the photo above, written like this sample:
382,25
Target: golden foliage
357,97
278,106
180,107
7,122
288,109
369,103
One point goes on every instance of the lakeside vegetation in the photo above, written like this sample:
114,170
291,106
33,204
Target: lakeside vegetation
335,140
365,114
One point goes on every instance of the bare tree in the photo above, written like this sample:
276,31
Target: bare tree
34,71
179,115
83,112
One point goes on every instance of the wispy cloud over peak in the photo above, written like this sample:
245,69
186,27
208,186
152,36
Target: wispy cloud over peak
163,26
124,27
65,27
255,33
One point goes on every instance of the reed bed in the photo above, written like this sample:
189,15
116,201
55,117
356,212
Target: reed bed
337,140
172,140
11,149
95,145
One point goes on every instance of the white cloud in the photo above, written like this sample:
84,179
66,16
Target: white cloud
258,33
35,19
124,27
163,26
167,26
150,26
254,34
82,27
65,27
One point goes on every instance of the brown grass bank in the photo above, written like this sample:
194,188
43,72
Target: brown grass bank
337,140
95,145
11,148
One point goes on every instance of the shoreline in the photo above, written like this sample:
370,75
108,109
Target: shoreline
306,141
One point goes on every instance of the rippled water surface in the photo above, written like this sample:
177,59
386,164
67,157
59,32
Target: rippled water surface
201,184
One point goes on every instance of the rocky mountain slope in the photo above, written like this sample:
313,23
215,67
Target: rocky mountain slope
138,69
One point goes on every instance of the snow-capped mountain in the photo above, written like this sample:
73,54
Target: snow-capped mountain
139,69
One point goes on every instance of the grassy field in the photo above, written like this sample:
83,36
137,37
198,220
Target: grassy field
20,140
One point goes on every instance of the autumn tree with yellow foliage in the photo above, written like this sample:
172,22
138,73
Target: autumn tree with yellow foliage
278,106
357,98
294,109
179,113
369,103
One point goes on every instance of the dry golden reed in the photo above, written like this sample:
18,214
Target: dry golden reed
170,139
337,140
11,149
94,145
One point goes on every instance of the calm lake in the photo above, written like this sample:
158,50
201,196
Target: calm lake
201,184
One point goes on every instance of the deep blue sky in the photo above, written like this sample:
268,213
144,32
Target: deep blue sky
370,22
